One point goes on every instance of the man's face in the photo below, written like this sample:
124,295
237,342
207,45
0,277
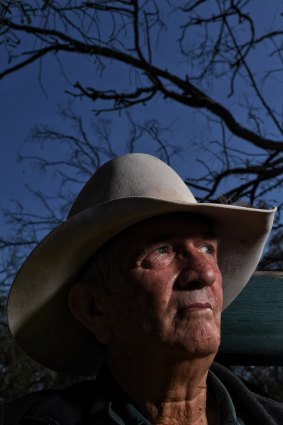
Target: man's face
170,296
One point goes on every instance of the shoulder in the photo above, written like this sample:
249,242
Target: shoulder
274,408
260,409
66,406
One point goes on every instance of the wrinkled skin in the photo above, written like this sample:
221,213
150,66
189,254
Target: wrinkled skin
170,297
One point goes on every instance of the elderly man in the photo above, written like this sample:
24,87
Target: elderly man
136,280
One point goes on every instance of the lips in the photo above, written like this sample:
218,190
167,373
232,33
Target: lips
199,305
196,306
185,311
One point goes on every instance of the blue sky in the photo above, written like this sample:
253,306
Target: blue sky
26,103
31,96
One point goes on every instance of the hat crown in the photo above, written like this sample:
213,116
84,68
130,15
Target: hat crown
132,175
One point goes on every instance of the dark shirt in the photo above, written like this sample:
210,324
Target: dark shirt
223,400
102,402
123,412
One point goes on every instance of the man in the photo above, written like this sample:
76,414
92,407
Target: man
136,278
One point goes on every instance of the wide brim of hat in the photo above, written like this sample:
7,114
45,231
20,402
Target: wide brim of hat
38,313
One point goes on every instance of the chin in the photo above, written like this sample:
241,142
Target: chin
202,341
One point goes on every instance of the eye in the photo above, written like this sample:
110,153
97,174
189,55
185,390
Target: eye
158,256
162,249
207,248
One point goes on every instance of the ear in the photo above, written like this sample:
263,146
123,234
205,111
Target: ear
88,310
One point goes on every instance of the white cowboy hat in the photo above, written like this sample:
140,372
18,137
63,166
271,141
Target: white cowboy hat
121,193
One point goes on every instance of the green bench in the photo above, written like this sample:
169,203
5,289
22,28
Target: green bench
252,326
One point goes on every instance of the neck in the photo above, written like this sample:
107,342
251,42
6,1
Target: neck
166,393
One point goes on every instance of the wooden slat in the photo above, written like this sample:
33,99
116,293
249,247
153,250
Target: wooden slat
252,326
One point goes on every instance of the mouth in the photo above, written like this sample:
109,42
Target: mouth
198,306
192,309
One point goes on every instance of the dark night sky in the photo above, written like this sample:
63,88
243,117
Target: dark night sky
24,104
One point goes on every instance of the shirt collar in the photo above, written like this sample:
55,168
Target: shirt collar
119,406
122,410
224,402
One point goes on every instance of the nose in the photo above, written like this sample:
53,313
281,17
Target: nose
197,270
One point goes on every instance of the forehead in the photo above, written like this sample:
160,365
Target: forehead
170,225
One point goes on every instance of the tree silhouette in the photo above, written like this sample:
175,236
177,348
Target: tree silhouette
201,57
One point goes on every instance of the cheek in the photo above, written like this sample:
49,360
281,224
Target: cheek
218,296
217,289
157,287
145,298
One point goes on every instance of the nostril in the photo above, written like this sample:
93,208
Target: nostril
191,285
195,284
